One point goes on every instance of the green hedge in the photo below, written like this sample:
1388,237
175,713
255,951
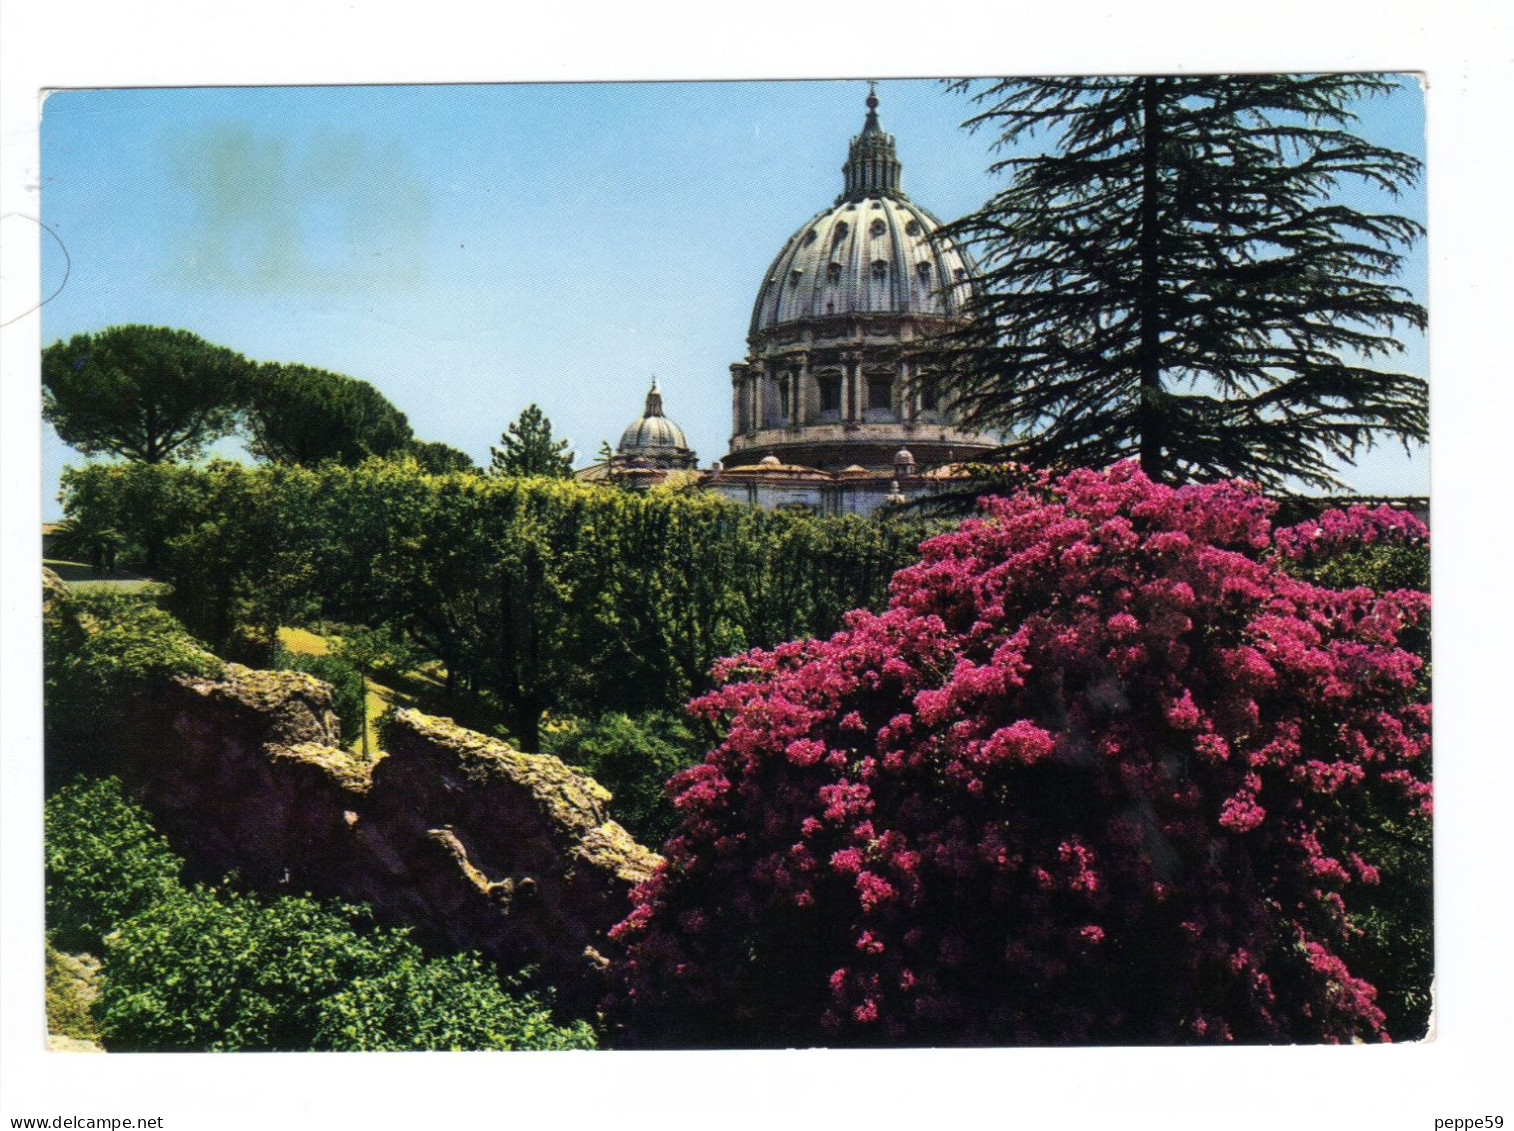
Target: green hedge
547,596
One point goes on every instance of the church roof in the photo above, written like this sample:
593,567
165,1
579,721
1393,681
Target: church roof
871,252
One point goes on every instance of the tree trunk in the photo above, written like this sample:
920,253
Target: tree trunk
1151,413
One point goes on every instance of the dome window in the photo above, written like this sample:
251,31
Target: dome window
830,395
880,398
809,237
912,228
840,233
960,273
833,272
880,269
795,275
923,271
879,227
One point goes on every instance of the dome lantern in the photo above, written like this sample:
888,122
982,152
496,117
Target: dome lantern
654,401
872,166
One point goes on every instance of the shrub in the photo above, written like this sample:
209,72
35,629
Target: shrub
220,972
550,596
195,971
441,1003
1383,549
105,862
1093,776
1380,547
633,758
102,654
103,646
186,968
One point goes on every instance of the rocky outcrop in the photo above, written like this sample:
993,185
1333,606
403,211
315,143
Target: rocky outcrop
73,984
475,844
53,588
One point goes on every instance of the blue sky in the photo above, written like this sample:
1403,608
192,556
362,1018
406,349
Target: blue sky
472,249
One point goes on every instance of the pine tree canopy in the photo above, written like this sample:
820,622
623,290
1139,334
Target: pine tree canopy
299,414
1177,279
146,393
527,448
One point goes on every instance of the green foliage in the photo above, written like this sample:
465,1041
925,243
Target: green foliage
1380,567
301,415
1395,949
102,652
349,692
438,458
442,1003
1229,318
105,862
146,393
536,595
194,971
134,513
188,968
102,645
633,758
527,448
202,970
374,650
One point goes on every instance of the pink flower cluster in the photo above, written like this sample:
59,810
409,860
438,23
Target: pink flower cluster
1349,528
1086,779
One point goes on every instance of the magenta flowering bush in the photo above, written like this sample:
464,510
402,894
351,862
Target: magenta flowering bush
1351,528
1093,776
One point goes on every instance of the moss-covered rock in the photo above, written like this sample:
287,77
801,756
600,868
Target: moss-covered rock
72,986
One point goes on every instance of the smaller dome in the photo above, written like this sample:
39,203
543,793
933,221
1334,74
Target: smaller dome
769,461
903,457
654,438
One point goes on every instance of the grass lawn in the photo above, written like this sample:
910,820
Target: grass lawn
302,641
78,575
